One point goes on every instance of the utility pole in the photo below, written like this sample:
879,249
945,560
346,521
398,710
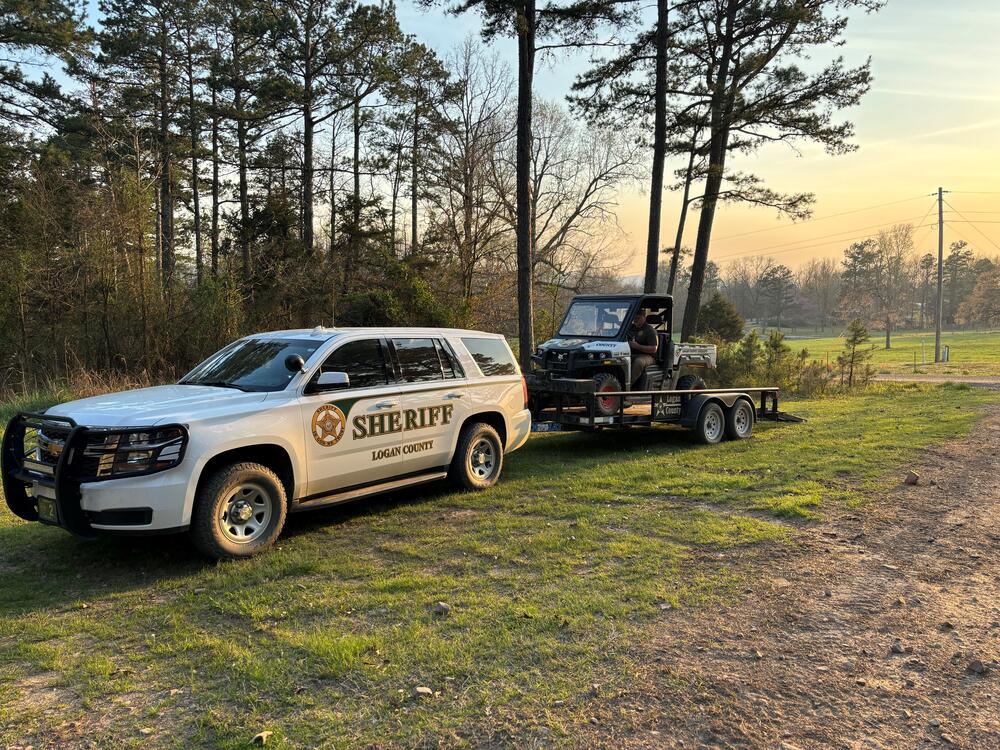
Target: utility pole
940,278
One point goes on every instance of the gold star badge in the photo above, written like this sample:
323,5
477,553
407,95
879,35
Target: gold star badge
328,425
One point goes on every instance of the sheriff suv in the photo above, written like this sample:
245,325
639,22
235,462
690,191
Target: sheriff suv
271,424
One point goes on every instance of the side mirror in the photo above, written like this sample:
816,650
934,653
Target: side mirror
329,381
295,363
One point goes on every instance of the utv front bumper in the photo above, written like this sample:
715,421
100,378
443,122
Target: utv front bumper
52,470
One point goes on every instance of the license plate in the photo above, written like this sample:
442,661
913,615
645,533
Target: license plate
47,510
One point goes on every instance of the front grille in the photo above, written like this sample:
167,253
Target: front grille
44,443
557,360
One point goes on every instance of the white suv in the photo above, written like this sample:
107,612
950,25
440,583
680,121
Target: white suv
273,423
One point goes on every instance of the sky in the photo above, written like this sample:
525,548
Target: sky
932,119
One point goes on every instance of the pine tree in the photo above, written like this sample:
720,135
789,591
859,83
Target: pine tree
857,353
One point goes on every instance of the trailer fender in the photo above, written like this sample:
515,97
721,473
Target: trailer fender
694,404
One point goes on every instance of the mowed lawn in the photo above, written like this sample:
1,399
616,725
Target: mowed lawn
554,579
972,353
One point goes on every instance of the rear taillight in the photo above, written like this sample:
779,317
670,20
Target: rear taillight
524,388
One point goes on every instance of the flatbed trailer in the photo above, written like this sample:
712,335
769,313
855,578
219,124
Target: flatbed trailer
572,405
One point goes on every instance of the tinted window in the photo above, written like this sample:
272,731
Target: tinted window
252,364
450,365
361,360
492,356
418,360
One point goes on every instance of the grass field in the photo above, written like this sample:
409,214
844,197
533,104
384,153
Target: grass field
552,578
972,353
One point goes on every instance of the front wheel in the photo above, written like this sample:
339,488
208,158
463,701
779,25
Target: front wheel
478,457
739,421
239,511
711,424
605,382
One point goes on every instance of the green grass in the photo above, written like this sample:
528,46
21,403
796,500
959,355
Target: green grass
972,353
554,578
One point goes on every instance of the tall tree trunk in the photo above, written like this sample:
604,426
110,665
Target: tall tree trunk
413,178
722,103
195,196
308,125
166,200
675,256
215,177
659,147
525,76
333,188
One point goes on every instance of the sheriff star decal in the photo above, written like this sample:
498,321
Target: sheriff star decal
328,425
660,409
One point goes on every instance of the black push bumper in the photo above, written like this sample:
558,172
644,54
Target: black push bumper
44,460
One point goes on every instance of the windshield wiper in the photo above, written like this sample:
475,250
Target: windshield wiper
216,383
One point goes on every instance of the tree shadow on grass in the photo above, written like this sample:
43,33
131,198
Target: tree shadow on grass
45,567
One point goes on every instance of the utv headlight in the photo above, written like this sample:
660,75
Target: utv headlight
118,453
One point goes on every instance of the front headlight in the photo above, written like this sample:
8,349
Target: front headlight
116,453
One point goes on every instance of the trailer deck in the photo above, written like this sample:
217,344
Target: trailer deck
643,408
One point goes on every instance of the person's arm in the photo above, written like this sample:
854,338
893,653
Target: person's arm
635,346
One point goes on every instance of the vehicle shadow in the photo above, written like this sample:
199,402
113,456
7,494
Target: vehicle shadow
46,568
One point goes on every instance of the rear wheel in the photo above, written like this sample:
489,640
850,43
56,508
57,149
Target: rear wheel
478,457
711,424
239,511
739,421
605,382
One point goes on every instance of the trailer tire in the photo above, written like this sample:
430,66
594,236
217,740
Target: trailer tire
478,458
605,381
711,425
690,383
739,420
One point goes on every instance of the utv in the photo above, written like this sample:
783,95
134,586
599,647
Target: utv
591,352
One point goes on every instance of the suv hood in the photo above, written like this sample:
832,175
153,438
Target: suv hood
151,406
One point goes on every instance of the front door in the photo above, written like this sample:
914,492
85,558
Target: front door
352,434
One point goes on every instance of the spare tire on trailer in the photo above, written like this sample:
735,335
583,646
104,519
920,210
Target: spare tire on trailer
605,381
690,383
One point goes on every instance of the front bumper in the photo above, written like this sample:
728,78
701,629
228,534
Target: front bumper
56,489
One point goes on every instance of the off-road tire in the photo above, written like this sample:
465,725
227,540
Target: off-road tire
739,420
478,458
690,383
711,425
227,485
605,381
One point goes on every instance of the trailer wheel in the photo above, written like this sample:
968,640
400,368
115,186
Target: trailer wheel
739,420
690,383
606,382
711,424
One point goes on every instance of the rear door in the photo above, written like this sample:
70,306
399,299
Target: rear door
435,401
352,436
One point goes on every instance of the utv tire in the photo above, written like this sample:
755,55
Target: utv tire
690,383
711,425
739,420
478,457
605,381
239,511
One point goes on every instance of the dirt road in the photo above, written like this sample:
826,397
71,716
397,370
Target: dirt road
973,381
880,629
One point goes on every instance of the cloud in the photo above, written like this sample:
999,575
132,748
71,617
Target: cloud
940,95
982,125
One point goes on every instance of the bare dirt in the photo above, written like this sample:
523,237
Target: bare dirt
878,628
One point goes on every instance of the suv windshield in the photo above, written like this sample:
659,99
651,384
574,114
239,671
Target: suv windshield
251,364
594,318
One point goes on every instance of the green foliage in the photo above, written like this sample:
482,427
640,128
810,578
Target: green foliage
771,362
855,360
719,316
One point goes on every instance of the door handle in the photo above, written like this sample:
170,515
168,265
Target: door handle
455,395
386,404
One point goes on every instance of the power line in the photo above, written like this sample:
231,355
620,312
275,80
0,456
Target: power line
831,239
820,218
973,224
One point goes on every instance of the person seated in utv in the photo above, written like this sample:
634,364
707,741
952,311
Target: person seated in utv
642,340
